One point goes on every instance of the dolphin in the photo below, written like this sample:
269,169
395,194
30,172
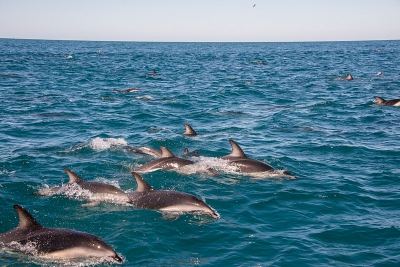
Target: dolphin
130,90
101,191
144,150
243,163
348,78
383,102
167,161
145,197
55,243
188,153
189,130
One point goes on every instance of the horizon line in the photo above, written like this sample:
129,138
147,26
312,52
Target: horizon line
131,41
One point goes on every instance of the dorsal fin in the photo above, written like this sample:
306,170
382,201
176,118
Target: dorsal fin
165,153
26,220
349,77
379,99
73,177
189,130
142,185
236,150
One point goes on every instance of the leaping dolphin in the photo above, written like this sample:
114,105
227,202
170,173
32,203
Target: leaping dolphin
55,243
145,197
189,130
383,102
247,165
101,191
167,161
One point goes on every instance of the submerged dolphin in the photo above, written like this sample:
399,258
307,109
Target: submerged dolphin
144,150
127,90
146,197
189,130
383,102
187,153
55,243
348,78
243,163
167,161
101,191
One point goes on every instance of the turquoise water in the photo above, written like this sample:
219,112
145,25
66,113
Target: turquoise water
291,113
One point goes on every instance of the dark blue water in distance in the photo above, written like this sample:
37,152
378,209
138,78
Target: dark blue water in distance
342,210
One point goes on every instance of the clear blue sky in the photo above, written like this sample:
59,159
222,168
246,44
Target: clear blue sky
201,20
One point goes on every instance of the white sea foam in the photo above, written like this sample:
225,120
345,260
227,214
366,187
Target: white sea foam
202,164
74,191
145,98
100,144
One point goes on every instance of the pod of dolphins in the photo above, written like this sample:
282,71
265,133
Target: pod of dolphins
65,244
380,100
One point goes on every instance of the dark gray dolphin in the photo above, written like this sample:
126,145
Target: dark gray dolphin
383,102
167,161
101,191
187,153
243,163
145,197
348,78
55,243
189,130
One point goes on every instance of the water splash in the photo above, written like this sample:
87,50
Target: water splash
100,144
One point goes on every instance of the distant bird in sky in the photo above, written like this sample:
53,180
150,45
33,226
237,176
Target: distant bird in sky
254,5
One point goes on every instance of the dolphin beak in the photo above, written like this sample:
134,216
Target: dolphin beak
117,258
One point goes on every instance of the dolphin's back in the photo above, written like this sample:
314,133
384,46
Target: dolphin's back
159,199
164,164
248,165
55,242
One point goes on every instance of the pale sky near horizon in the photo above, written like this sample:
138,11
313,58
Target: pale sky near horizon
201,20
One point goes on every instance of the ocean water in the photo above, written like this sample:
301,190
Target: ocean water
58,110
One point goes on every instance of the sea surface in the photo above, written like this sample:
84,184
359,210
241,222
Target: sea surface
281,102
